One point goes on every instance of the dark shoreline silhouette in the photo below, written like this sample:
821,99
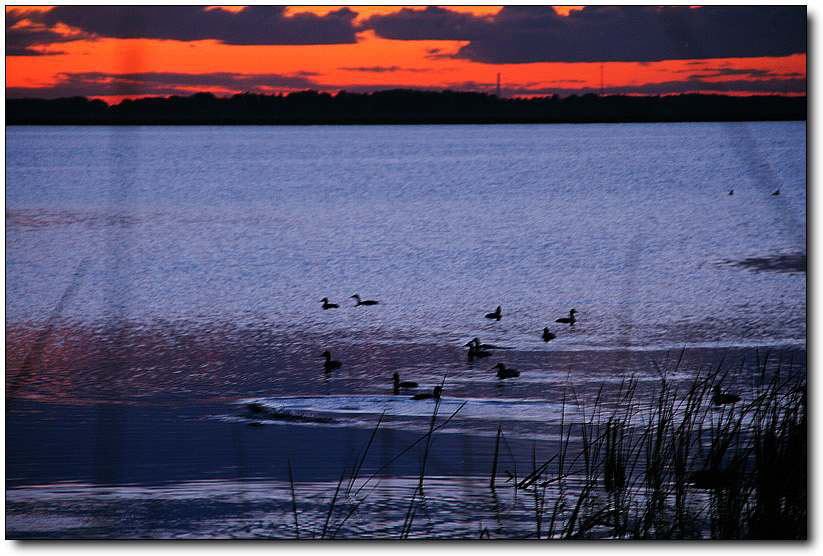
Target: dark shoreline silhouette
400,106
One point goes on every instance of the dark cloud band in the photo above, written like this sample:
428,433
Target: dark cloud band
524,34
517,34
94,84
255,25
384,69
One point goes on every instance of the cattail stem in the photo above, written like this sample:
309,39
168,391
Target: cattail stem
494,461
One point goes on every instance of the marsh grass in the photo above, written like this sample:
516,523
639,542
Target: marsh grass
664,463
675,465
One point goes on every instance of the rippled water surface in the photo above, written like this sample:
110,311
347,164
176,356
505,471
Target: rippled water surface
158,279
629,224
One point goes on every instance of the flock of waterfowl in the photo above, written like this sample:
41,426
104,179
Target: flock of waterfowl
476,350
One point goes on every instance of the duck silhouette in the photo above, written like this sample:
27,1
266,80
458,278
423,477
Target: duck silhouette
776,193
433,395
547,335
475,351
256,407
398,385
327,305
731,191
476,343
364,302
721,398
570,320
496,314
328,364
503,372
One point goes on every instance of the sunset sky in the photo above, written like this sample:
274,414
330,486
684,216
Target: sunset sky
113,52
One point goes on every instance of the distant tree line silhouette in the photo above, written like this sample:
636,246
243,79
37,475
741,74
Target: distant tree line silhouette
402,106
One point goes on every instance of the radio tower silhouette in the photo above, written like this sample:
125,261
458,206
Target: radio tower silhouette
601,80
498,85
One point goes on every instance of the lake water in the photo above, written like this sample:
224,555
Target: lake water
159,278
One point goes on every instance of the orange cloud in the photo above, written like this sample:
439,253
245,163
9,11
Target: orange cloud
565,10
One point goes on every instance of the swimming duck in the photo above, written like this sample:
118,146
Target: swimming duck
548,336
327,305
366,302
731,191
776,192
475,351
329,364
570,319
256,407
434,395
720,398
503,372
496,315
477,344
398,385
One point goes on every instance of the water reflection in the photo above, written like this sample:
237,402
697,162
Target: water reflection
263,509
